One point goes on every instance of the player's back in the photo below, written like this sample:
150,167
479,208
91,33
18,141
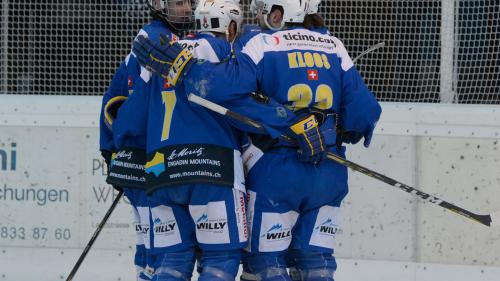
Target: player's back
304,68
173,119
130,127
179,132
299,67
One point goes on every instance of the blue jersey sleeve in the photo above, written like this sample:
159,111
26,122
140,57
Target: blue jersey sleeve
273,116
117,88
359,110
239,75
221,48
129,128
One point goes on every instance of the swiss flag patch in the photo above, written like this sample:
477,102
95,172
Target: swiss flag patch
129,81
312,74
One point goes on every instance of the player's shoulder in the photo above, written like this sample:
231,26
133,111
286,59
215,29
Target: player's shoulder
155,28
202,41
247,36
214,41
258,35
325,32
317,38
340,50
247,28
189,41
192,42
335,39
207,46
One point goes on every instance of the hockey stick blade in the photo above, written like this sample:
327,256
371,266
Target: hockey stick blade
488,220
483,219
495,219
371,49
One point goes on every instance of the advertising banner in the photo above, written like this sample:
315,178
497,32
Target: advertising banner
53,191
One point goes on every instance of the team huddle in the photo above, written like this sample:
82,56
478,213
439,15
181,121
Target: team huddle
209,189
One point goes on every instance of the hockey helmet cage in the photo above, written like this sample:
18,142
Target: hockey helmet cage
176,13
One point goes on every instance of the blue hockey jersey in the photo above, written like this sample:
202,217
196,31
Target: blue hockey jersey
129,130
126,135
186,143
176,128
299,68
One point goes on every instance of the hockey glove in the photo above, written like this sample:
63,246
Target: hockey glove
111,110
351,137
169,59
309,138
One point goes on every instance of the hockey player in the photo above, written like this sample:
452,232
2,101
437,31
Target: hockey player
213,18
299,64
122,147
113,98
194,164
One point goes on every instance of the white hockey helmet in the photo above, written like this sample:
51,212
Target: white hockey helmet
293,10
312,6
217,15
177,13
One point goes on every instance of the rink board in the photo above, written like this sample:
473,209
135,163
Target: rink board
53,194
54,264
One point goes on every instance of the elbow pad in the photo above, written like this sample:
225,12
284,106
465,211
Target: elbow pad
111,110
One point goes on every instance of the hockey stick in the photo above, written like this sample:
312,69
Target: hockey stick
94,237
371,49
488,220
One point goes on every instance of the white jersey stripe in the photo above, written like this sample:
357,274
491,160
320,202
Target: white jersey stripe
296,39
